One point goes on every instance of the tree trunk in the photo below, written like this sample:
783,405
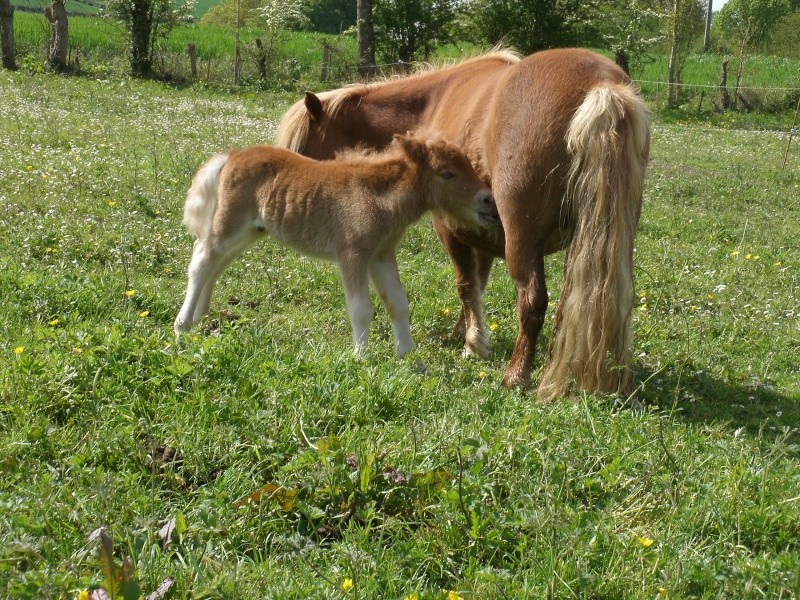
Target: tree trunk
707,36
141,25
7,34
59,35
621,58
672,74
366,39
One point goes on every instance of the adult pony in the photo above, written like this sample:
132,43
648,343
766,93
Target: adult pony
353,211
563,137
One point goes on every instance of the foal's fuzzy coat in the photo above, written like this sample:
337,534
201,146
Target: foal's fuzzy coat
353,210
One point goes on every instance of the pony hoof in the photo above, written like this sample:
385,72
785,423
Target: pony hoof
181,327
480,352
516,381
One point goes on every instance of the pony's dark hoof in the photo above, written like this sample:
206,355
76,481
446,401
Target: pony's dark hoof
513,381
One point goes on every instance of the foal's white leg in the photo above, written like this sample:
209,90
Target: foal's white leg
201,269
353,270
208,262
386,279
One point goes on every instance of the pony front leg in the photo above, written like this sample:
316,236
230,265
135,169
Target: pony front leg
472,272
386,278
353,271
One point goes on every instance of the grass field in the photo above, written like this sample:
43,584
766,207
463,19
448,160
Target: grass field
374,481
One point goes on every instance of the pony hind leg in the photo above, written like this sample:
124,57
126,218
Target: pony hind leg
528,275
386,278
209,261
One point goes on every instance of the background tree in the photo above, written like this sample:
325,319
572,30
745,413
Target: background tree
56,15
406,30
366,38
748,23
146,22
685,22
7,34
530,25
629,28
330,16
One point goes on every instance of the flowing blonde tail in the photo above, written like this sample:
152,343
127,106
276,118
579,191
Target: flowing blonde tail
590,346
201,201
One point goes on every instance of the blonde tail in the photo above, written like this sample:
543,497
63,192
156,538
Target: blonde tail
201,201
590,346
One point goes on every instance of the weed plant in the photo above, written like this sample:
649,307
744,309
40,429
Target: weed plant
289,469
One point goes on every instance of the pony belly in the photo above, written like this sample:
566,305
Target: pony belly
317,242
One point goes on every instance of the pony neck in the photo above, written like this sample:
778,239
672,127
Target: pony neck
397,185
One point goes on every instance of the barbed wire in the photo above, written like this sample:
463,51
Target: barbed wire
700,85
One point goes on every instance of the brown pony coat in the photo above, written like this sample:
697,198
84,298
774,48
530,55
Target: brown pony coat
353,211
563,138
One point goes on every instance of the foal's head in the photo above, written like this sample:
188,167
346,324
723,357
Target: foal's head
451,185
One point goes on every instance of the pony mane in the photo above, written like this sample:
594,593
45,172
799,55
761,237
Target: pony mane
293,129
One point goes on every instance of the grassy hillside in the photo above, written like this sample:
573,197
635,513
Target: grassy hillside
365,478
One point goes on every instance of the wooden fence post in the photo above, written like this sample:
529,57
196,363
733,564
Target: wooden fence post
193,60
326,62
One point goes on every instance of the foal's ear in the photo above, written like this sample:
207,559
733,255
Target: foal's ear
314,106
412,146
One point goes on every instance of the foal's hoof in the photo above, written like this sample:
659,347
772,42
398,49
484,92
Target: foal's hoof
181,326
478,351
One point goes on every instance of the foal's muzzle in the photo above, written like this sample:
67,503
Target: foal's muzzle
487,209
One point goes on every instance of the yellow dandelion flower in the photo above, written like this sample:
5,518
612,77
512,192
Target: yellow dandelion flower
483,374
451,595
84,595
53,322
735,253
777,263
77,349
645,542
30,167
756,257
144,314
411,597
130,293
112,203
662,591
493,325
347,585
19,350
748,256
643,307
445,311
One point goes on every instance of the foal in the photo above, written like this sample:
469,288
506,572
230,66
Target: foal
352,210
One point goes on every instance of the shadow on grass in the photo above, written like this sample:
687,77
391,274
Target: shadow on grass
702,398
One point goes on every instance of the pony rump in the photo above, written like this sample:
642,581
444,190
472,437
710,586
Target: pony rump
201,201
608,139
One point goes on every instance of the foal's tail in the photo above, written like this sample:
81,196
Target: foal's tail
201,202
609,140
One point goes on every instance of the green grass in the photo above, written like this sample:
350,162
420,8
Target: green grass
405,484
